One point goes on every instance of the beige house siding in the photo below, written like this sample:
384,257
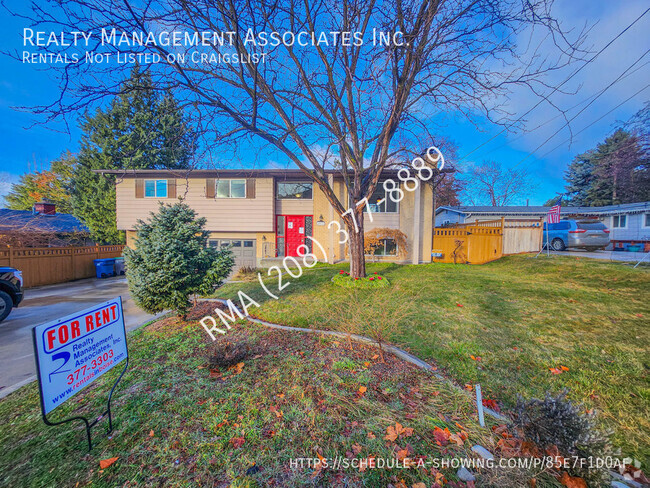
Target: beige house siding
294,207
241,214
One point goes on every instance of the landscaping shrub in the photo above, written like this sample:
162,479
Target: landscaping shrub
557,422
172,260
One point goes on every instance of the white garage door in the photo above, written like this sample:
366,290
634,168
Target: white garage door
243,249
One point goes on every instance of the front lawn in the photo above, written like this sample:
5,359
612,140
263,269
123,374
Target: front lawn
180,420
517,326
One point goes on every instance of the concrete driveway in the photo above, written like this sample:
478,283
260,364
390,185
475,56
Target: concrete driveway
46,303
632,257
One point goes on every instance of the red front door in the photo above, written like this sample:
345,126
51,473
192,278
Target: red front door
294,233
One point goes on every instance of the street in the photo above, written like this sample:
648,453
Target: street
47,303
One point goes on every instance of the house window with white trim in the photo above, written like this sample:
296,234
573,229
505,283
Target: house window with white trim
380,201
388,247
646,220
231,189
619,221
155,188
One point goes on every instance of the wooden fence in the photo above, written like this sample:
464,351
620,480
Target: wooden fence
49,265
483,241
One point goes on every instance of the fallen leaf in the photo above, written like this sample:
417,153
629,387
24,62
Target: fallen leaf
375,356
151,434
237,442
401,454
555,370
366,363
362,390
356,448
441,436
393,432
469,387
105,463
458,305
419,485
281,395
371,435
456,439
564,368
237,367
571,481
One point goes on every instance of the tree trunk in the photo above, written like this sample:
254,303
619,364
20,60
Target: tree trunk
355,246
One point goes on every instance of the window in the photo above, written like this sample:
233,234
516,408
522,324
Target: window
619,221
248,243
591,226
231,188
386,206
295,190
646,220
155,188
213,243
387,248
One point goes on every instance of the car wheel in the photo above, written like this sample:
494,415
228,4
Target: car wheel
558,244
6,304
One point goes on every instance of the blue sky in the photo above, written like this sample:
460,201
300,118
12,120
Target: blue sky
27,147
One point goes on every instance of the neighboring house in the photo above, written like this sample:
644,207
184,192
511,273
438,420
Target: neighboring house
629,223
266,214
41,227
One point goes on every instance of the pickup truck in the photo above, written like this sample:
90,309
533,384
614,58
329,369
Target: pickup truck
11,290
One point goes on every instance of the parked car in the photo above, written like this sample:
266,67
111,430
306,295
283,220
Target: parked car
11,290
570,234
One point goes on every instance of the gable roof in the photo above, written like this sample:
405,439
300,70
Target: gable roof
539,211
27,221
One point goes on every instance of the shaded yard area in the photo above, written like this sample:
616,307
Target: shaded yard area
181,420
517,326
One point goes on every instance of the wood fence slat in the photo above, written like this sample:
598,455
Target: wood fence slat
484,241
49,265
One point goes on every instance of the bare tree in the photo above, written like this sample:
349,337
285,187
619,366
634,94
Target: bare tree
320,97
489,183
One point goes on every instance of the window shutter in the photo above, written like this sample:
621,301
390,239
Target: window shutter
139,188
171,188
209,187
250,188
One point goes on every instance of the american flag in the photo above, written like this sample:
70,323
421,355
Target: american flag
553,216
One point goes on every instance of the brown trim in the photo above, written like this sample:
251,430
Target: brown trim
210,187
250,188
139,188
171,188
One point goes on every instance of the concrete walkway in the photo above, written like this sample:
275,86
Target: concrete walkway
632,257
47,303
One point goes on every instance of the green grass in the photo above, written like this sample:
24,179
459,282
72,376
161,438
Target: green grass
521,316
177,423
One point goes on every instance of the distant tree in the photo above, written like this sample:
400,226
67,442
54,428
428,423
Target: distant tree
616,172
565,201
52,185
139,130
490,184
171,260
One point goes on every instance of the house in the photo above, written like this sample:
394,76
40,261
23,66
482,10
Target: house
41,227
629,223
266,214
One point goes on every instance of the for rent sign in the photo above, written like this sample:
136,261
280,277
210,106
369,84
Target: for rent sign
74,351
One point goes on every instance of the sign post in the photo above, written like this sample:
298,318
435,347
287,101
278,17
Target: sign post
73,351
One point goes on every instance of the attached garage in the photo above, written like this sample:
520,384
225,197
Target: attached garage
243,249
